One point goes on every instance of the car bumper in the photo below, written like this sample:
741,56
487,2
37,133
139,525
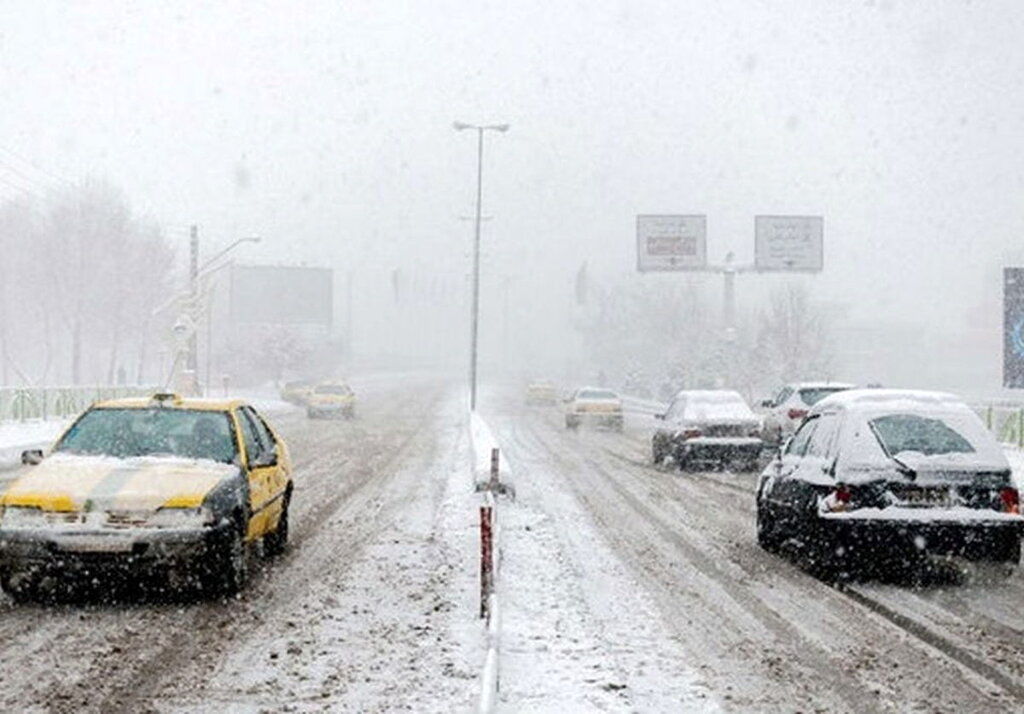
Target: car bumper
975,536
330,409
610,419
720,449
49,550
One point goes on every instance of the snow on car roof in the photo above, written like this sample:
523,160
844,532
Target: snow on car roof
716,396
873,399
823,385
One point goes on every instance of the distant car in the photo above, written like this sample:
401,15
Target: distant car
712,428
135,487
297,391
789,407
875,474
539,394
594,406
331,400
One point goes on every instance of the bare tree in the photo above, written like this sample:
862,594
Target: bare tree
792,340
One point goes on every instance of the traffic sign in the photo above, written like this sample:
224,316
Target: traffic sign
671,242
788,243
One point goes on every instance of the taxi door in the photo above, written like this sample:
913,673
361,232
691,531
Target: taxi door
278,459
260,467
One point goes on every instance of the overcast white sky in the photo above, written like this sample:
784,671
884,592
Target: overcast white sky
326,128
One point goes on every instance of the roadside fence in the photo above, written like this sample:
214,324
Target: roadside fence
24,403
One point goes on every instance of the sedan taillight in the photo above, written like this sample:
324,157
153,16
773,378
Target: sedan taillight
691,433
838,500
797,413
1010,499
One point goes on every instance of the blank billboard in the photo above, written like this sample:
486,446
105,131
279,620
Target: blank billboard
278,295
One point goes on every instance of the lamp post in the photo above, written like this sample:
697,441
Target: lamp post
475,318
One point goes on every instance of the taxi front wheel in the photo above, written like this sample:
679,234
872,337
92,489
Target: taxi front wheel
20,590
228,569
276,542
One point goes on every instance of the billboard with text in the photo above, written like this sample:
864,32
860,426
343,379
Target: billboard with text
671,242
788,243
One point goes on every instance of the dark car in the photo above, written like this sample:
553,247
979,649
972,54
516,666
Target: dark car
712,428
875,476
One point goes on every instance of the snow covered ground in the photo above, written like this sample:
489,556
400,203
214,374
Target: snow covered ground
624,588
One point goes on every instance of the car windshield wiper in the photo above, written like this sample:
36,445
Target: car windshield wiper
901,466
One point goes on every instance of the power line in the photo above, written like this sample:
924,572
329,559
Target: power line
53,176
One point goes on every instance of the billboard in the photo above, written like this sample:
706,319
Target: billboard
1013,328
281,295
671,242
788,243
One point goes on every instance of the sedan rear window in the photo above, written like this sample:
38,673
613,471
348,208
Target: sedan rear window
928,435
597,394
125,433
332,389
813,395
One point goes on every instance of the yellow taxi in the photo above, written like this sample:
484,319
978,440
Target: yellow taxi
297,391
331,399
170,486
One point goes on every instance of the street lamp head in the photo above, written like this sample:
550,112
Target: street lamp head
460,126
499,127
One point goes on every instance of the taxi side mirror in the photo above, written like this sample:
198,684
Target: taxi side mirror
31,457
767,403
660,417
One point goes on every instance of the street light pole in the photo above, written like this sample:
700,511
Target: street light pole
192,361
475,318
196,272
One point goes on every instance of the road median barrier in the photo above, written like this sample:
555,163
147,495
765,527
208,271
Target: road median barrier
488,468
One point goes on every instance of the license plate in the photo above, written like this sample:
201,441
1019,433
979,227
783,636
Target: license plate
923,496
95,544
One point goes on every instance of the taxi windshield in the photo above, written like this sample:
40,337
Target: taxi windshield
157,431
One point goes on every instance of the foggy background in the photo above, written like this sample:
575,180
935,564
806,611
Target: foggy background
326,129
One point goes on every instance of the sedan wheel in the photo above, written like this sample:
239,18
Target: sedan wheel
766,535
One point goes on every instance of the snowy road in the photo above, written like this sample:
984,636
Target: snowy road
361,614
761,633
625,588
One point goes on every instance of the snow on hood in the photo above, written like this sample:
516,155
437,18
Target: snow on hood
73,482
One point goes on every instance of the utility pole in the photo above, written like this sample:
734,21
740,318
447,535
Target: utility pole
475,318
348,318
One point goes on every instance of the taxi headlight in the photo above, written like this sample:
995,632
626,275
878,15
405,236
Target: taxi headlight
23,517
181,518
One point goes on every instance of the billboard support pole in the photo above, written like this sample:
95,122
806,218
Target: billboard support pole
729,296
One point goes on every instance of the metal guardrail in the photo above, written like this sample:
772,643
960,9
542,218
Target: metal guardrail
1007,423
24,403
643,406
